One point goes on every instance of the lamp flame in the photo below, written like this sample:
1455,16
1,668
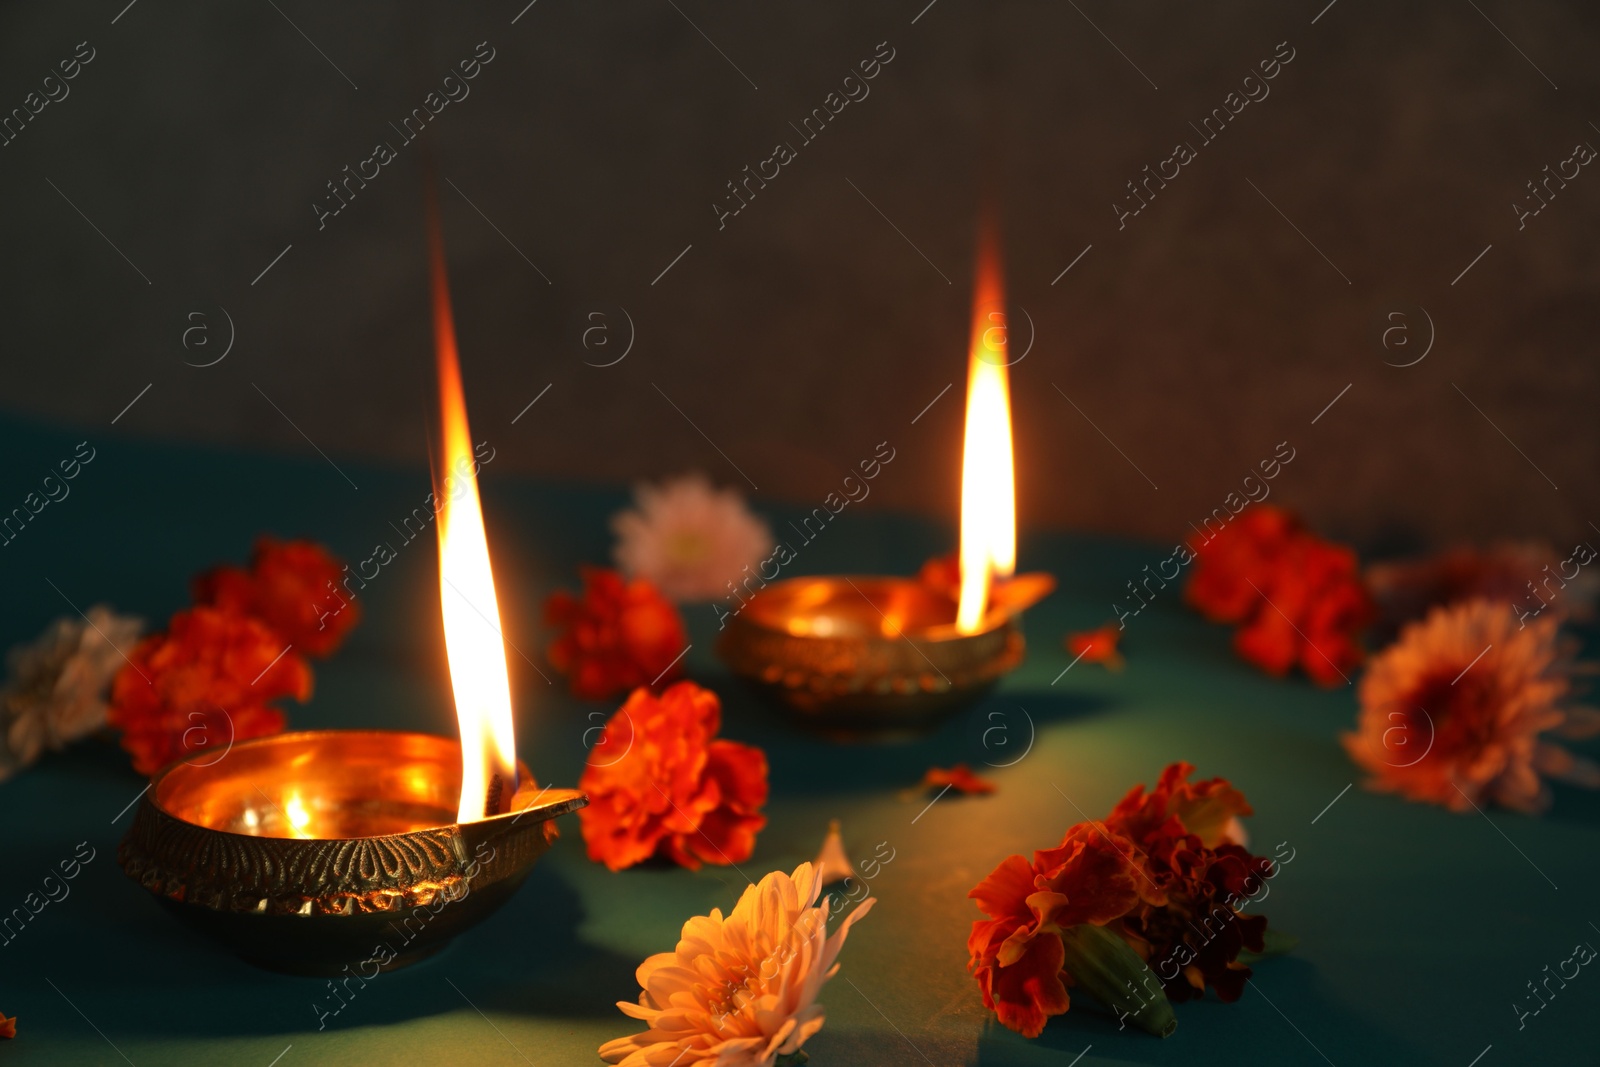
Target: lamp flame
294,810
473,641
988,474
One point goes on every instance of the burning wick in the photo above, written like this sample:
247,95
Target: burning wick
988,482
473,643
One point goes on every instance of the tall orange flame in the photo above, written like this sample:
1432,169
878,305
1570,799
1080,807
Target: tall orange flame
473,641
988,476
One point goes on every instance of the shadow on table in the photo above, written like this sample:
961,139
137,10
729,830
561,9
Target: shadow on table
1573,805
995,733
1253,1030
526,958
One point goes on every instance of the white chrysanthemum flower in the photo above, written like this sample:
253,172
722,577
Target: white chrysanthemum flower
739,991
58,684
689,538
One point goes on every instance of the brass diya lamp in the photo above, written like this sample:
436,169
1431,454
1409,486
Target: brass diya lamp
315,852
875,656
338,850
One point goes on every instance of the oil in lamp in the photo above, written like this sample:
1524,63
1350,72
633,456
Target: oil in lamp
871,656
345,850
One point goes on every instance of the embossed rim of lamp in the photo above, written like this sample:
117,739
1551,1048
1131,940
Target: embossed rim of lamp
372,840
868,656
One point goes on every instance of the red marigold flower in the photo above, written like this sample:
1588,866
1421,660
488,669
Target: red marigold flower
1026,992
205,735
8,1027
942,574
622,634
1190,835
1164,873
202,685
1517,572
961,777
1300,599
292,586
1210,810
1097,646
1245,550
1194,940
661,783
1016,954
1454,711
1314,608
1094,876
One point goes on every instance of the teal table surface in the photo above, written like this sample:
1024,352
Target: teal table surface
1418,928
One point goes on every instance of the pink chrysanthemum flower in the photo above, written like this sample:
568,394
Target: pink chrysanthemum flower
689,538
1453,712
739,991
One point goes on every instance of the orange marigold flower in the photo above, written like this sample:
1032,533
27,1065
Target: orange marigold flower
8,1027
292,586
961,777
202,685
661,784
1299,599
1016,954
620,635
1454,712
1097,646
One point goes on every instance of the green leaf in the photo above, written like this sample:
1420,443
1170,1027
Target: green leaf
1274,943
793,1059
1102,965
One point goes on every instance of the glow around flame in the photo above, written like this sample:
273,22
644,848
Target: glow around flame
472,637
988,476
294,809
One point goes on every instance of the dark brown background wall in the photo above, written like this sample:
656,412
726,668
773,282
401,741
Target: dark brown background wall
824,317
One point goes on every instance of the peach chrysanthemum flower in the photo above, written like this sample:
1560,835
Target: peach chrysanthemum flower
739,991
1453,712
689,538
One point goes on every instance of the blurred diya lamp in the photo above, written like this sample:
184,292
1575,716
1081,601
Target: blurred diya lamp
874,656
349,851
